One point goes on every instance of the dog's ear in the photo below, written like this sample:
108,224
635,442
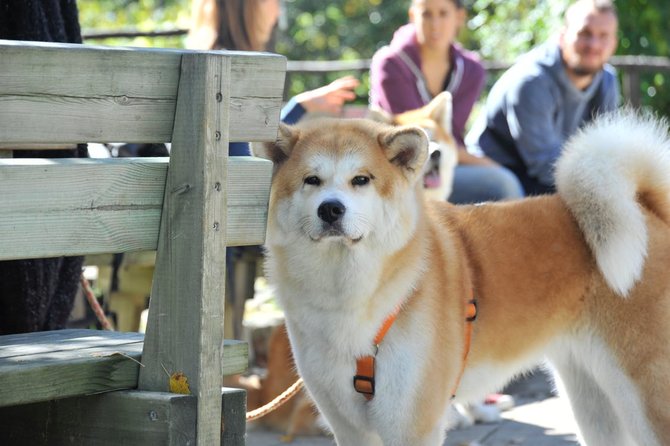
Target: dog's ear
277,151
441,111
406,147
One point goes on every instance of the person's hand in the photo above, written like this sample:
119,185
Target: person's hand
329,98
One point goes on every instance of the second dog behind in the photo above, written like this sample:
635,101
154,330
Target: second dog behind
435,118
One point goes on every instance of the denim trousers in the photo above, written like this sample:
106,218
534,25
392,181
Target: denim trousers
476,184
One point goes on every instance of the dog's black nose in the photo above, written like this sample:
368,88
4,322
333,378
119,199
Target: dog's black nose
435,156
331,211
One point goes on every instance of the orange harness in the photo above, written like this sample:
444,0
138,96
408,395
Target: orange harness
364,380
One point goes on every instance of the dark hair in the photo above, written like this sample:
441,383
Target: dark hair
459,3
224,24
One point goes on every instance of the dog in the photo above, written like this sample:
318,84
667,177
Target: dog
435,118
297,416
396,306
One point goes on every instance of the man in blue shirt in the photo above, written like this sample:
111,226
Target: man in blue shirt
549,94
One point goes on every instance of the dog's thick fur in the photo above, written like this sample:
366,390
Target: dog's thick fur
580,277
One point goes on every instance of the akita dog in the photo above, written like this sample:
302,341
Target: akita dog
435,118
394,304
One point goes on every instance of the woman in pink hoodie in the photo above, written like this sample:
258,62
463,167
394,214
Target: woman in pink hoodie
423,60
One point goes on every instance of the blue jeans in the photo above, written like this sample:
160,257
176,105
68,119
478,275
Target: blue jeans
475,184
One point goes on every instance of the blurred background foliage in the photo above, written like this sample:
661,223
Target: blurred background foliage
500,30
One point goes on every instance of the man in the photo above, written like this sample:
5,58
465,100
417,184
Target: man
549,94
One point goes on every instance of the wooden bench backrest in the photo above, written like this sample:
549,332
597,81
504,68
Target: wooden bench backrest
188,210
60,93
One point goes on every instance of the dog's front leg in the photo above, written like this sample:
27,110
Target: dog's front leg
409,436
361,438
347,433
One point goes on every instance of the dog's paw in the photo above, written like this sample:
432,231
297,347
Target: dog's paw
500,400
485,413
459,417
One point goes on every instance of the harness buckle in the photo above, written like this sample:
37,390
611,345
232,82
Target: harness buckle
364,385
472,310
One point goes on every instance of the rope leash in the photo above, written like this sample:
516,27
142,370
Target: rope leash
95,305
277,402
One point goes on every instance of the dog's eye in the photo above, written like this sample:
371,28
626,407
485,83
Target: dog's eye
312,180
360,180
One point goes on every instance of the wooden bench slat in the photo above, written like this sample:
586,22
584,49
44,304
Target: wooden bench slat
129,418
56,341
57,364
67,93
84,206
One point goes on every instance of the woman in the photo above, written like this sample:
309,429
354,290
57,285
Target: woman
248,25
423,60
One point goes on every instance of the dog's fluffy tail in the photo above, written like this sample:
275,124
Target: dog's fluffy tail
608,171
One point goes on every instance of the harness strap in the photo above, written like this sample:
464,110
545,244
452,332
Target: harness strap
364,380
470,317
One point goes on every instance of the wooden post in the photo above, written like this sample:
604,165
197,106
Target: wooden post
185,328
631,86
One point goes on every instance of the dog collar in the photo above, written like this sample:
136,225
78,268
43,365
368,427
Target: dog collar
364,380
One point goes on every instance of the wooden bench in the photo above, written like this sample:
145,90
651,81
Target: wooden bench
188,208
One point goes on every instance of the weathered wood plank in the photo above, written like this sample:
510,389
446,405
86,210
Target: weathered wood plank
57,364
185,326
69,93
248,196
41,345
126,417
46,365
83,206
233,417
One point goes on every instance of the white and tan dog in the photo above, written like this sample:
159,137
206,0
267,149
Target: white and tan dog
435,118
580,277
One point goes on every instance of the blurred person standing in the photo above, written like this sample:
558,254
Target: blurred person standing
248,25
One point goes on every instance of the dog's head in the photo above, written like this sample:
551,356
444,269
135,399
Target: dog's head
435,119
342,182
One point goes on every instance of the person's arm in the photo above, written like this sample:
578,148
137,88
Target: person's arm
463,99
292,112
238,149
327,99
465,96
530,109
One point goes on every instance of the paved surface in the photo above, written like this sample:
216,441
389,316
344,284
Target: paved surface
538,419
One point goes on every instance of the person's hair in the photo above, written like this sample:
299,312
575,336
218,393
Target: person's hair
225,24
459,3
600,6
